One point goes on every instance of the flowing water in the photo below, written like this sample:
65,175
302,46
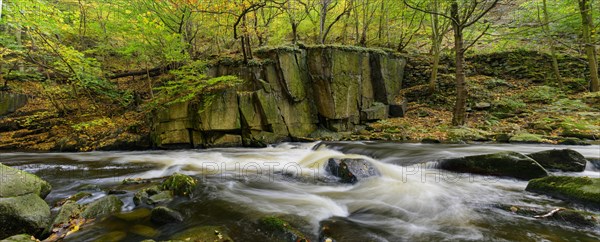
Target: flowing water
410,201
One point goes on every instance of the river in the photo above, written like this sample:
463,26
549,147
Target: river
410,201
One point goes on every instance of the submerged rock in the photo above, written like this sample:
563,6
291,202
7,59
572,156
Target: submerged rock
280,230
562,160
351,170
14,182
509,164
558,215
102,207
581,190
341,229
203,233
595,162
68,210
23,214
164,215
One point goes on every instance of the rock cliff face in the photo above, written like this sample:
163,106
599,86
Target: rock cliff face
10,102
289,95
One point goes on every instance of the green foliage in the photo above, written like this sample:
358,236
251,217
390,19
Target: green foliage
541,94
189,82
569,105
509,104
91,124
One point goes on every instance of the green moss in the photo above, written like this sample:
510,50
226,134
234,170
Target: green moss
582,190
281,228
465,133
179,184
528,138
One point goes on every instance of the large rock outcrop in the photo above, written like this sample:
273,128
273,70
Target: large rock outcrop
288,95
10,102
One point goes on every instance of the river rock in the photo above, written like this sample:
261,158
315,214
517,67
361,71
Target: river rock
351,170
20,238
68,210
203,233
560,215
342,229
102,207
164,215
280,230
180,184
581,190
508,164
23,214
152,196
14,182
562,160
595,162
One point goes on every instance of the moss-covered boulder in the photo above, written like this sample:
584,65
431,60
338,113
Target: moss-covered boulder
14,182
20,238
351,170
465,134
180,184
152,196
280,230
203,233
562,160
165,215
581,190
527,138
102,207
68,210
506,164
23,214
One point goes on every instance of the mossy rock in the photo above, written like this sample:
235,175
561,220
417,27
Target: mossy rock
203,233
180,184
562,216
280,230
23,214
465,134
152,196
507,164
15,182
528,138
67,211
581,190
74,198
165,215
20,238
102,207
562,160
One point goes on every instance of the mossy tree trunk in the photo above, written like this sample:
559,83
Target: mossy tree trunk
590,50
460,107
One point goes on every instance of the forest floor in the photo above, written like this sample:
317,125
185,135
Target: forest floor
502,108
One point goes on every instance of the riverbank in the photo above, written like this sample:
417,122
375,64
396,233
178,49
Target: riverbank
511,100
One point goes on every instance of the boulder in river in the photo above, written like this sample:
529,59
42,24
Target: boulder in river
557,215
165,215
562,160
581,190
179,184
14,182
23,214
351,170
203,233
152,196
281,230
102,207
508,164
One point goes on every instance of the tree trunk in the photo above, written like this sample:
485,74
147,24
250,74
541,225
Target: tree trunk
551,43
323,18
590,49
460,107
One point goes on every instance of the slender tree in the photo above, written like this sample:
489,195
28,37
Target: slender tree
587,24
462,14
